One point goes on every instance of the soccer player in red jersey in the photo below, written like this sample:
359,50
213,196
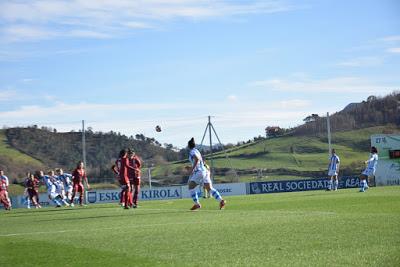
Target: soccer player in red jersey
3,195
6,181
79,175
134,176
32,186
121,168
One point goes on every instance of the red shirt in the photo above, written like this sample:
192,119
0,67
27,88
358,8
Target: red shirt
78,175
123,166
32,184
136,164
3,185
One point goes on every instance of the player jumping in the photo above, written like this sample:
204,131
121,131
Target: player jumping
199,175
369,171
121,168
134,176
333,170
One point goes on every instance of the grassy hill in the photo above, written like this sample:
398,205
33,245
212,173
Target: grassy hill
21,146
14,162
286,157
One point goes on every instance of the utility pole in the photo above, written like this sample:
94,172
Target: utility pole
328,126
83,144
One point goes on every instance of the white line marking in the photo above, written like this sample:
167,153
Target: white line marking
99,229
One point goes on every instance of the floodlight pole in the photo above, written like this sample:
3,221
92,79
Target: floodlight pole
84,154
83,144
328,126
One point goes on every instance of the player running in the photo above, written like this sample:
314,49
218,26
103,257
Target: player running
333,170
134,176
3,195
199,175
7,183
32,188
78,176
369,171
121,168
66,180
54,190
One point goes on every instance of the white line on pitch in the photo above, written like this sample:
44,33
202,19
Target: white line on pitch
98,229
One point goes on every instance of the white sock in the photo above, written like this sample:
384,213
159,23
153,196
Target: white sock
214,192
194,195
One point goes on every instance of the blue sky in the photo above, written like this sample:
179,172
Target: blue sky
127,66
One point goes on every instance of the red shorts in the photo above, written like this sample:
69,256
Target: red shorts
135,181
32,193
78,188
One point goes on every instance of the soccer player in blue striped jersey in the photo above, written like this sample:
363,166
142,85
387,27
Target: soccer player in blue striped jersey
200,175
333,170
54,189
66,179
369,171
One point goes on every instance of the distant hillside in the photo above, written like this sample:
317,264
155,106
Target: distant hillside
374,111
15,163
285,157
301,152
50,149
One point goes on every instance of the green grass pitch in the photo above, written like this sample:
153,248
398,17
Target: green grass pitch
315,228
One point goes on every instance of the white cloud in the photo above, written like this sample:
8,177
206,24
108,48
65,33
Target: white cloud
392,38
395,50
295,104
60,109
232,98
16,33
338,85
241,122
37,20
362,62
88,34
7,95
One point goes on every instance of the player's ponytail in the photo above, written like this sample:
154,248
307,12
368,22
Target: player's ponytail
191,143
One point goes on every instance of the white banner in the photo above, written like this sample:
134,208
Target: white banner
388,170
232,189
155,193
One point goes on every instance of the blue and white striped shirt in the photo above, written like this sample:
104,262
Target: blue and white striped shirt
333,163
194,153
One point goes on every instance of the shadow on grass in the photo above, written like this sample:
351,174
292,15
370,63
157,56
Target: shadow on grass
127,214
52,210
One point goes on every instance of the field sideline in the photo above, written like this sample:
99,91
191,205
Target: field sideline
318,228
